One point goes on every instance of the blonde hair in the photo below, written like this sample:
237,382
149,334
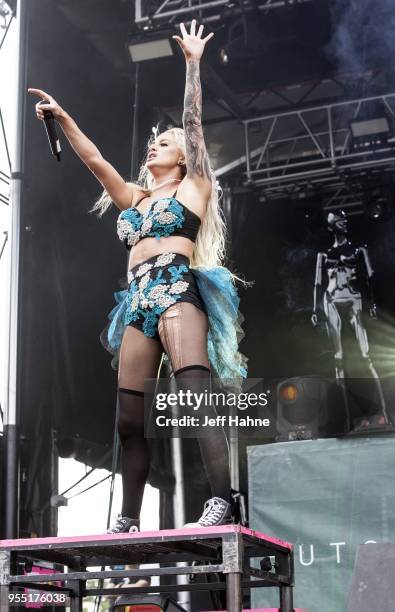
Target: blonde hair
209,250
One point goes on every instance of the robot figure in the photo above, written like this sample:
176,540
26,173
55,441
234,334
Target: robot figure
347,268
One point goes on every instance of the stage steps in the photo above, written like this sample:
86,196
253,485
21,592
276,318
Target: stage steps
227,550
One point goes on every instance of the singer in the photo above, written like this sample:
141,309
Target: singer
180,299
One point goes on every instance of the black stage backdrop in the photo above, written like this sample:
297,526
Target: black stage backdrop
70,261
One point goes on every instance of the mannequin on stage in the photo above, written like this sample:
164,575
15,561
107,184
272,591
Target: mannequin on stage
342,272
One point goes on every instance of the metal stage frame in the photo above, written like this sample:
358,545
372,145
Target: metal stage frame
225,550
150,13
312,146
298,147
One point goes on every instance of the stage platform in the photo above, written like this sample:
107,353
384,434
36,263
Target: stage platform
226,550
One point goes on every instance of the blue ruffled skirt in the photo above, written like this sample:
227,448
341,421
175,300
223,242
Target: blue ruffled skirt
221,302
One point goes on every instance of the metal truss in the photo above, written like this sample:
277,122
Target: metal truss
6,17
152,13
312,148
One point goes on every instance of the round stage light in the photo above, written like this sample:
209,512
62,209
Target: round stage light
289,393
223,56
376,211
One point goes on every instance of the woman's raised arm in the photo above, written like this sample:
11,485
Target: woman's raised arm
197,160
118,189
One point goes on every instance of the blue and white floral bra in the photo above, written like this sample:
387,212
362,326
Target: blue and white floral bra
164,217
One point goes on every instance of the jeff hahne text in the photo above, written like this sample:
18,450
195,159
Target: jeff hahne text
204,406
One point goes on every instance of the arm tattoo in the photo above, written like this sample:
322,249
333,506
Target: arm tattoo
196,158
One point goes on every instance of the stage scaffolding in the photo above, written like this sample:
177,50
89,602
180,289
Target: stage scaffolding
151,13
307,149
303,147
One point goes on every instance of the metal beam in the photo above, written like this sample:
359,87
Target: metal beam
212,10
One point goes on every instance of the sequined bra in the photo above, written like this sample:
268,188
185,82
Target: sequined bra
164,217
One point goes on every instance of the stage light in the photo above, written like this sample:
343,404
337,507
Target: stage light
223,56
378,205
370,133
147,48
289,393
376,211
370,127
309,407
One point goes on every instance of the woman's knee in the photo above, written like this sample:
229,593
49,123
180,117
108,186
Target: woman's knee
130,412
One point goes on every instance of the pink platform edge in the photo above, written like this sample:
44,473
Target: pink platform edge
155,535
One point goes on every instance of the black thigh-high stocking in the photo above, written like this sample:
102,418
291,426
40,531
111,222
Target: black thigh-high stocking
183,331
135,453
213,445
139,359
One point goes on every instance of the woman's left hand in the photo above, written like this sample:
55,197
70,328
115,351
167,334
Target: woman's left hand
192,44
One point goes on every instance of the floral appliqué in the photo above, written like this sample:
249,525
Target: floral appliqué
158,221
164,259
156,290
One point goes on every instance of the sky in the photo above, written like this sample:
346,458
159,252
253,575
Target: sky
86,513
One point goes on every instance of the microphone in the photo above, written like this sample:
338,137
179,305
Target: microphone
52,134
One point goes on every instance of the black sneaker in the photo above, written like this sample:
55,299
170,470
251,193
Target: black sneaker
216,512
124,524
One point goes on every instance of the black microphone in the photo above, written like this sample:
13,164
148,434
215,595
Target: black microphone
52,134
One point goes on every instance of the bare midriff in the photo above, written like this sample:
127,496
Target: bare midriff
149,247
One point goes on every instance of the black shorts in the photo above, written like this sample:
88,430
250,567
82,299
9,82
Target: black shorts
156,284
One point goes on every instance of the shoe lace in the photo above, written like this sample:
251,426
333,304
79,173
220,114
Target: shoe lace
212,512
119,524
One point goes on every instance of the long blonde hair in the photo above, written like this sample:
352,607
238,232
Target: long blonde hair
209,250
